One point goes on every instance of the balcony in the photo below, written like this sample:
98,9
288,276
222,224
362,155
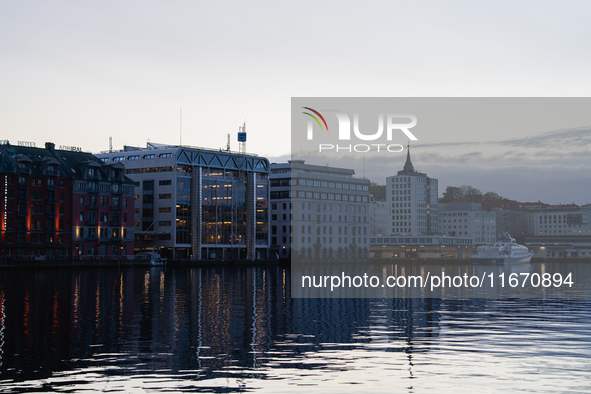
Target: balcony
92,237
51,187
23,185
51,200
92,206
50,215
23,199
115,223
92,222
116,207
22,214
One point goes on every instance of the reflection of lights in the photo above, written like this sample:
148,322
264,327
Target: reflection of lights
98,305
26,314
1,324
146,286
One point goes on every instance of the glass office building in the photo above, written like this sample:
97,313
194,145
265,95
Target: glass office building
198,203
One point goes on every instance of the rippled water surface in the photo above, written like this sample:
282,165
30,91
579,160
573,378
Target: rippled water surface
238,329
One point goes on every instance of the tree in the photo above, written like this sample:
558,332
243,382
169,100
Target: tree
471,193
466,192
451,193
492,196
378,191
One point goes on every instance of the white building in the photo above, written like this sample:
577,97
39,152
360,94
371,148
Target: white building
318,212
413,198
379,218
467,219
562,221
560,231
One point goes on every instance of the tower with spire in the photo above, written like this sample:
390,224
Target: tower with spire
408,169
413,198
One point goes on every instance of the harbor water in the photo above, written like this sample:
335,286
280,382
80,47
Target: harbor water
237,329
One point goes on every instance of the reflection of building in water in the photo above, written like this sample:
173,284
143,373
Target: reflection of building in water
191,319
197,202
2,323
391,324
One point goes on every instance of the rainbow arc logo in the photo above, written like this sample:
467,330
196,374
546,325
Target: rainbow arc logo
315,118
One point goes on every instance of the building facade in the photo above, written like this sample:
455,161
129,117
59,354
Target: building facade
319,212
468,219
46,205
413,199
421,246
562,220
198,203
379,217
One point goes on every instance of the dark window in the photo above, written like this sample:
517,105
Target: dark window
148,185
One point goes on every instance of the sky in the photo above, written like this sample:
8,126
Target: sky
527,149
77,73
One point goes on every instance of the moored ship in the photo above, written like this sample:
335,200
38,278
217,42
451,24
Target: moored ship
504,251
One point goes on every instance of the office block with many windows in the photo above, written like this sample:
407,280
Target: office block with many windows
198,203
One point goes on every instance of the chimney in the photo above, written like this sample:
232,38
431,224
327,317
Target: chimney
50,146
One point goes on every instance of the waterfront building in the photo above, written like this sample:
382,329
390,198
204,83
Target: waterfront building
562,220
60,202
319,212
421,246
546,246
466,219
413,199
513,217
379,217
198,203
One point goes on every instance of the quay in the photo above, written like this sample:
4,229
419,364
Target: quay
142,261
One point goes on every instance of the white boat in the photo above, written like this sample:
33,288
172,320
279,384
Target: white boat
153,257
504,251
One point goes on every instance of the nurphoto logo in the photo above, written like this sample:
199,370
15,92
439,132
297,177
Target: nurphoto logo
393,123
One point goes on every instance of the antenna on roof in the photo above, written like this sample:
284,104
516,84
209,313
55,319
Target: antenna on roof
228,145
110,144
181,129
363,167
242,138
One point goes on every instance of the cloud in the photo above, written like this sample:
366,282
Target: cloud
565,138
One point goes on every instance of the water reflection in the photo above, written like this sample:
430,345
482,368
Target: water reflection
214,328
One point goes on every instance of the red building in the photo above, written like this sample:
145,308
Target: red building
60,203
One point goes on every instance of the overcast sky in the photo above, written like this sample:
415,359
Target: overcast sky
76,73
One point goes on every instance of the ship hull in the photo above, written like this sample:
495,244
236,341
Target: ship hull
501,260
